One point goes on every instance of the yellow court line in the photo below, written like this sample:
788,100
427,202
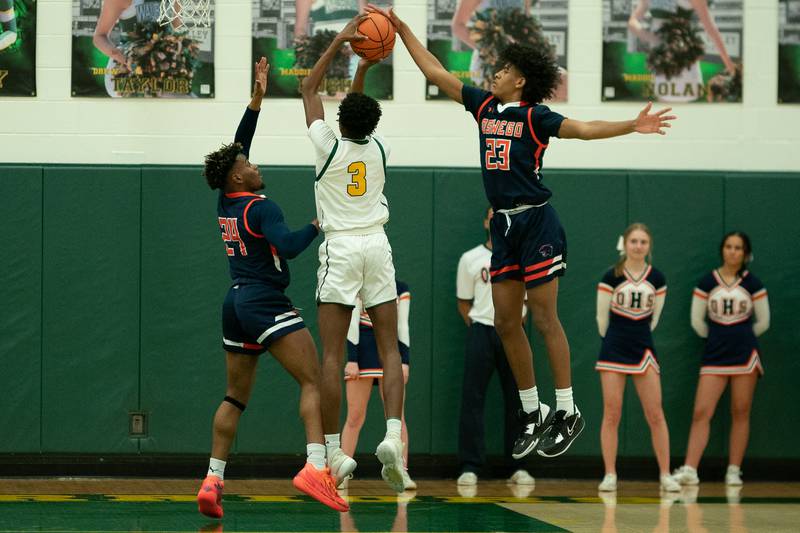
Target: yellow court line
41,498
150,497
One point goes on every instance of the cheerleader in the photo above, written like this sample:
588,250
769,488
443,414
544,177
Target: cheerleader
729,309
363,370
630,299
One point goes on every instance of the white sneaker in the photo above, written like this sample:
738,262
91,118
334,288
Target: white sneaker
7,38
609,483
522,477
686,475
390,454
467,491
342,466
408,483
669,484
733,476
467,479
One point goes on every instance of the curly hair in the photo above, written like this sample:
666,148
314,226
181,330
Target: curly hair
539,68
359,115
218,164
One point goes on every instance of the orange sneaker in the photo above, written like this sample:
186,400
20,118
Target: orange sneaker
209,499
319,484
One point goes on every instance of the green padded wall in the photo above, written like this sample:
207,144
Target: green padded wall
21,297
90,308
113,303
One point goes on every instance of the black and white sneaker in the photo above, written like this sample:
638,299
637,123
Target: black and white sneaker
562,433
533,428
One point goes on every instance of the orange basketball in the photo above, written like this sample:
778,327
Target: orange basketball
379,33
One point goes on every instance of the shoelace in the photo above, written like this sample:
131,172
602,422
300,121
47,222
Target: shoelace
560,422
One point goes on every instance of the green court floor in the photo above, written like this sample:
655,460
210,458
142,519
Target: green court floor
273,513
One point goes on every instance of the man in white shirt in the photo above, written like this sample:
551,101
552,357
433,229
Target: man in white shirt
484,354
355,259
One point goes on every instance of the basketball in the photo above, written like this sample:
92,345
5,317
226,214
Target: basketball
380,37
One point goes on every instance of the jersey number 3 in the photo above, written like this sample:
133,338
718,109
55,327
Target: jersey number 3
358,179
497,151
230,234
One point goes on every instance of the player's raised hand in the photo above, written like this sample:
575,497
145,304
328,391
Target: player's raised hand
388,13
364,64
260,87
350,31
648,122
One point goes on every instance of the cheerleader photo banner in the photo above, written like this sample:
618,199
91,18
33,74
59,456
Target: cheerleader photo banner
293,35
789,52
672,50
120,49
17,48
467,36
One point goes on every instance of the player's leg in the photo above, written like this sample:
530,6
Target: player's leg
613,387
709,389
241,374
339,278
390,450
408,483
379,294
334,319
648,387
296,353
742,389
511,408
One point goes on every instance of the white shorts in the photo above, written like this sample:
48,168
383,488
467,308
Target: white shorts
352,265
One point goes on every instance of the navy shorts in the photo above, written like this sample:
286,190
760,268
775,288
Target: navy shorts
533,249
256,315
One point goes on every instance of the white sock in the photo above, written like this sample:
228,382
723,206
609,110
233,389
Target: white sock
393,427
332,443
529,399
216,467
315,453
564,401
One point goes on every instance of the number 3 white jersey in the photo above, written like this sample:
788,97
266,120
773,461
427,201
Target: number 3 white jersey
351,174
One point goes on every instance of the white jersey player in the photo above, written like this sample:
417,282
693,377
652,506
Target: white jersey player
355,259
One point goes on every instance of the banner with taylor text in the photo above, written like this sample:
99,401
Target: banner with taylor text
120,50
294,35
672,50
17,48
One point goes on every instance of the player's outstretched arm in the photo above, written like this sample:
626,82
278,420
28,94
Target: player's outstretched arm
361,73
289,244
247,126
425,60
309,88
645,123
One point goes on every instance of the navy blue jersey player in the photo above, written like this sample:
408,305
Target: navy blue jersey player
257,316
529,244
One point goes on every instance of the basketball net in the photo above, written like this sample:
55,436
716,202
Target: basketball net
185,14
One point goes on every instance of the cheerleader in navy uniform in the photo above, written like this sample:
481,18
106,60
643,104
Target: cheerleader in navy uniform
735,302
630,299
363,371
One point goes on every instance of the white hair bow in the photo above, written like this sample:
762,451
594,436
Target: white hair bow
621,245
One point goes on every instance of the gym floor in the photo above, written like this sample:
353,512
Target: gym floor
83,504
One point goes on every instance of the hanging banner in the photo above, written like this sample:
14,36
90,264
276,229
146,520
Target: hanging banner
789,52
17,48
467,36
294,35
119,50
672,50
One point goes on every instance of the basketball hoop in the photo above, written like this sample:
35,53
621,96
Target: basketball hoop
185,14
